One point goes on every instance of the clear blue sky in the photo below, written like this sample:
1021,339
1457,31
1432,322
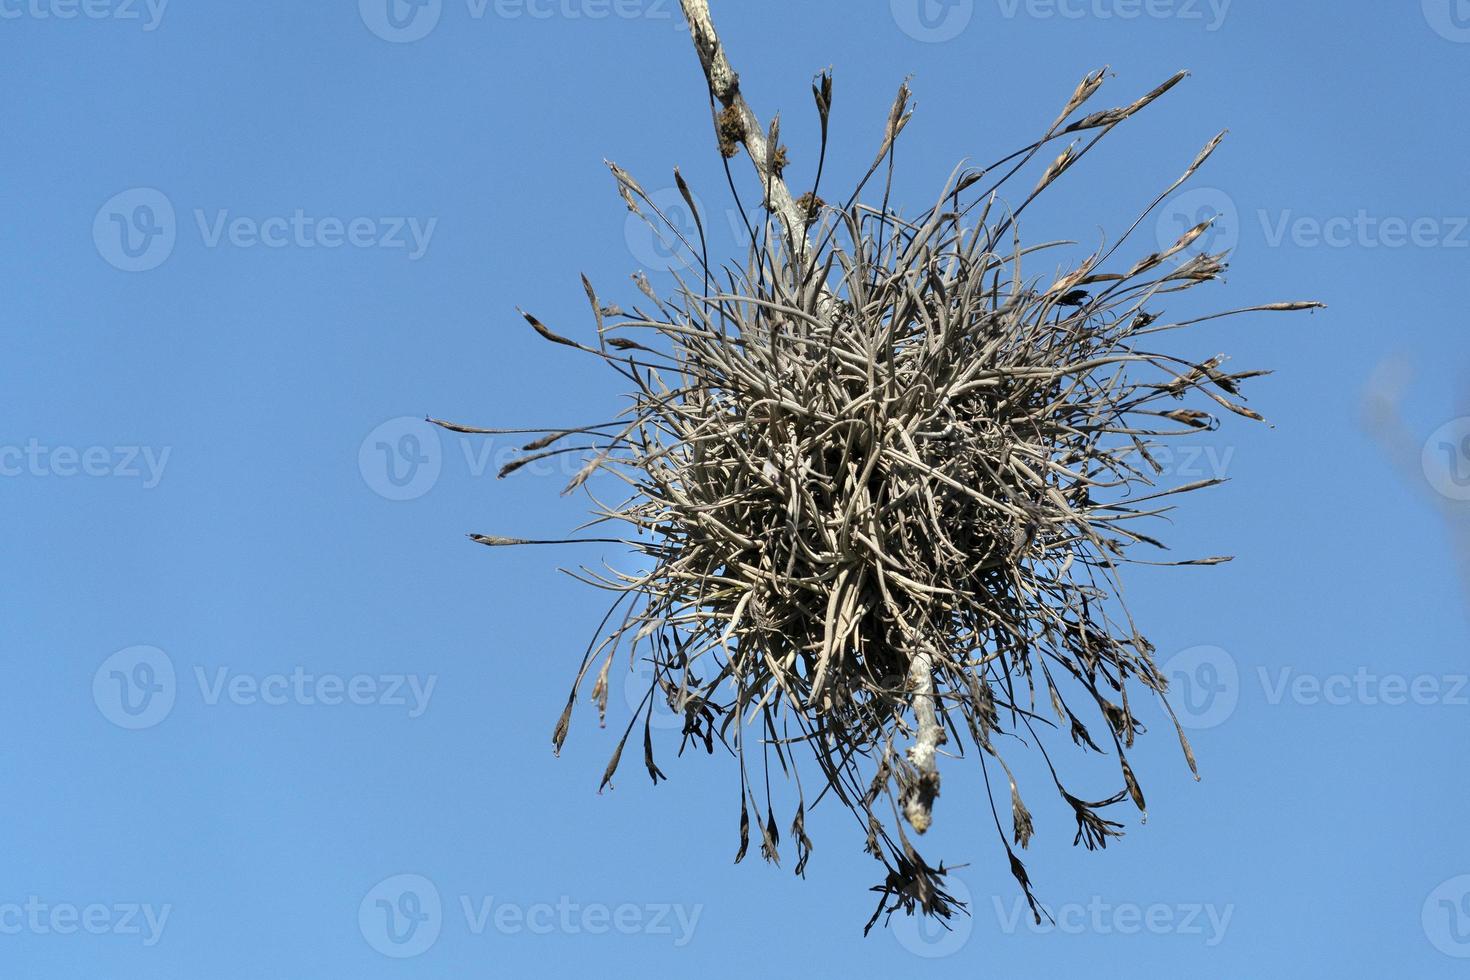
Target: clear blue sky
254,676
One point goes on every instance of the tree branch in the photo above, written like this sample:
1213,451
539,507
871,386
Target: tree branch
739,120
918,803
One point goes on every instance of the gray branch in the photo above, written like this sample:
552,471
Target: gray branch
918,803
724,84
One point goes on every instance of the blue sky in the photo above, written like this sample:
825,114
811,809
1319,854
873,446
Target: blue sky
269,714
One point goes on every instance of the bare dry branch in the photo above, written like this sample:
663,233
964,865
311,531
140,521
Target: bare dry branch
735,121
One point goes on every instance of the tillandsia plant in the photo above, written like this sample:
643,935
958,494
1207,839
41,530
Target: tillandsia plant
885,478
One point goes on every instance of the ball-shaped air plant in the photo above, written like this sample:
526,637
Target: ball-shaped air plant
885,477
